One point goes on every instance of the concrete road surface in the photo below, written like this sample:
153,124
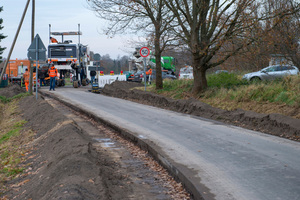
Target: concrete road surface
227,162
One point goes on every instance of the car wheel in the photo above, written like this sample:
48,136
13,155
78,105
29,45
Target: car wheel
255,79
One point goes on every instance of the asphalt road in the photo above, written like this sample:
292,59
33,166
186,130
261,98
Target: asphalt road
231,162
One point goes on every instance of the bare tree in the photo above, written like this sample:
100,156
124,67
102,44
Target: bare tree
284,38
207,26
138,15
1,36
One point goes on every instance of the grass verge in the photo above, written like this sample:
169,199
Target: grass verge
13,138
229,91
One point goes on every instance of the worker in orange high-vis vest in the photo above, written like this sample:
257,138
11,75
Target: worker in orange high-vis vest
26,79
52,74
148,73
53,40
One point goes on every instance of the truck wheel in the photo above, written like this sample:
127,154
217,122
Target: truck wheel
83,82
75,84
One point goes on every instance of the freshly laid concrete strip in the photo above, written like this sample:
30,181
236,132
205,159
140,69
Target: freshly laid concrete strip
213,160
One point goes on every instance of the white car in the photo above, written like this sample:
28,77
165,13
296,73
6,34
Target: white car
272,72
186,73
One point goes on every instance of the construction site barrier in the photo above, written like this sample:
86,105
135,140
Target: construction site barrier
108,79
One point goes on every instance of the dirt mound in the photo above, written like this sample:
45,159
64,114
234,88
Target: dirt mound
11,90
274,124
64,164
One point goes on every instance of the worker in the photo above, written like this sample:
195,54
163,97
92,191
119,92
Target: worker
93,74
52,73
26,78
82,74
149,71
41,75
53,40
148,74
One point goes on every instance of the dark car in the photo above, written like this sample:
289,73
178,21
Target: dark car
164,74
136,77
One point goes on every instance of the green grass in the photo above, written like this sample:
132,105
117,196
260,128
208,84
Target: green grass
11,171
230,86
4,99
14,132
68,81
225,80
13,136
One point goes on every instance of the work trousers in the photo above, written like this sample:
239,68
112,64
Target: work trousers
52,83
26,85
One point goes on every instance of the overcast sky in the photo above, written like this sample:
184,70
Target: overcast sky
63,15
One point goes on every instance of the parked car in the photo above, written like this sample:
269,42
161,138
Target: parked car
128,74
136,77
221,71
164,75
186,73
272,72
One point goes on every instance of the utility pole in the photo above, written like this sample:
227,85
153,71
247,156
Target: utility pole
32,38
14,41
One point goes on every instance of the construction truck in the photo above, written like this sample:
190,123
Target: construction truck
136,65
68,57
15,70
167,63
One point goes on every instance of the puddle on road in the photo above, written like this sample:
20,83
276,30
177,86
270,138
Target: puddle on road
142,137
106,143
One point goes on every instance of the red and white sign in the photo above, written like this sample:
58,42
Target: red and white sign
144,52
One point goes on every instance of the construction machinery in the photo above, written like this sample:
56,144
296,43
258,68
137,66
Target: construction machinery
15,70
136,65
167,62
68,57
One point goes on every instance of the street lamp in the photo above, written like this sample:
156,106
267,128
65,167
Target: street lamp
22,68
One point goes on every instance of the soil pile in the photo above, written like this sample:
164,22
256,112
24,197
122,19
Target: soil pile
63,164
11,90
274,124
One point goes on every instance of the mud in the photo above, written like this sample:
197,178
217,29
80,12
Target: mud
64,164
275,124
11,90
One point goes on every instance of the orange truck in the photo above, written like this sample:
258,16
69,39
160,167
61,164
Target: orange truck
15,70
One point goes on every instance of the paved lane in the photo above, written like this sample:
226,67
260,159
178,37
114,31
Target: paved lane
234,163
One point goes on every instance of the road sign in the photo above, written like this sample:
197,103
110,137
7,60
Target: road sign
97,57
144,52
37,49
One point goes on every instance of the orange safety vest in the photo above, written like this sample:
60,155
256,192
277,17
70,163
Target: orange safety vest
26,76
52,72
149,71
53,40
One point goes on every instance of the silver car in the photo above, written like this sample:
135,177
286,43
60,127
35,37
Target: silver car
272,72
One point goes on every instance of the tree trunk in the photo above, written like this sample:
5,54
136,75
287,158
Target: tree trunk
158,81
199,72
